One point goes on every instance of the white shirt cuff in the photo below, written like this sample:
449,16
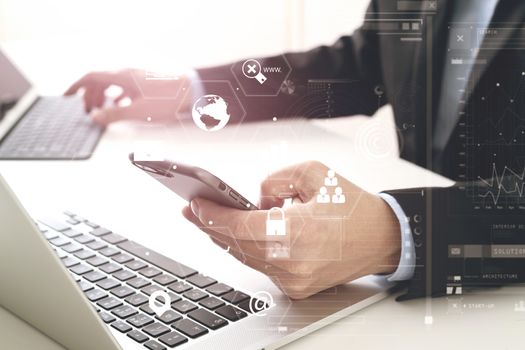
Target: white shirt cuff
197,88
407,260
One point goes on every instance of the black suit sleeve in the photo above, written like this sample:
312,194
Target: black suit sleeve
354,58
486,237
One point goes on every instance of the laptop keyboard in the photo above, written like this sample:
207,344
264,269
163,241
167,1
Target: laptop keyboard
53,128
118,276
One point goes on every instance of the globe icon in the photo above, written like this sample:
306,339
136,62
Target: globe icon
210,113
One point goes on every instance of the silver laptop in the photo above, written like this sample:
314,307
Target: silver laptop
41,127
87,287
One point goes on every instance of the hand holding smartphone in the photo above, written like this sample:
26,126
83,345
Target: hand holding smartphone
190,182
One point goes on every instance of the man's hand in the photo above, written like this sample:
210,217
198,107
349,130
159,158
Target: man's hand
155,99
328,243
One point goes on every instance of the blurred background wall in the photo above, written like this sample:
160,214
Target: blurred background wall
104,33
57,41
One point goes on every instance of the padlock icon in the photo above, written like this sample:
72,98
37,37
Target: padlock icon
275,226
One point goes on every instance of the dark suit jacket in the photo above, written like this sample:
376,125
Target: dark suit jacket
410,75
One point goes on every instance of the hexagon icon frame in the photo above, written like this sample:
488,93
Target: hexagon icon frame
184,114
237,74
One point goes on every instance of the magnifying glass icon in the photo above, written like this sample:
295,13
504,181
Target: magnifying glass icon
252,69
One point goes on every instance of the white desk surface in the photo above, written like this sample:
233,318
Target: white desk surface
107,189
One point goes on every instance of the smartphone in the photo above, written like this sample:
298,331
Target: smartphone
191,182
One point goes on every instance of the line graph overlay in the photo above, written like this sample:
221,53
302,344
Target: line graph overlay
492,156
508,184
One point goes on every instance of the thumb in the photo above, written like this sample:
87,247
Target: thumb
291,182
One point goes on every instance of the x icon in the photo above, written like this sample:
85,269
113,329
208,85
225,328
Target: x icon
432,5
460,38
251,68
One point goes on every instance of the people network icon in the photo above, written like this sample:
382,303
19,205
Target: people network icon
330,181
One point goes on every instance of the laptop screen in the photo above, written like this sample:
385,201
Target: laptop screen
13,85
